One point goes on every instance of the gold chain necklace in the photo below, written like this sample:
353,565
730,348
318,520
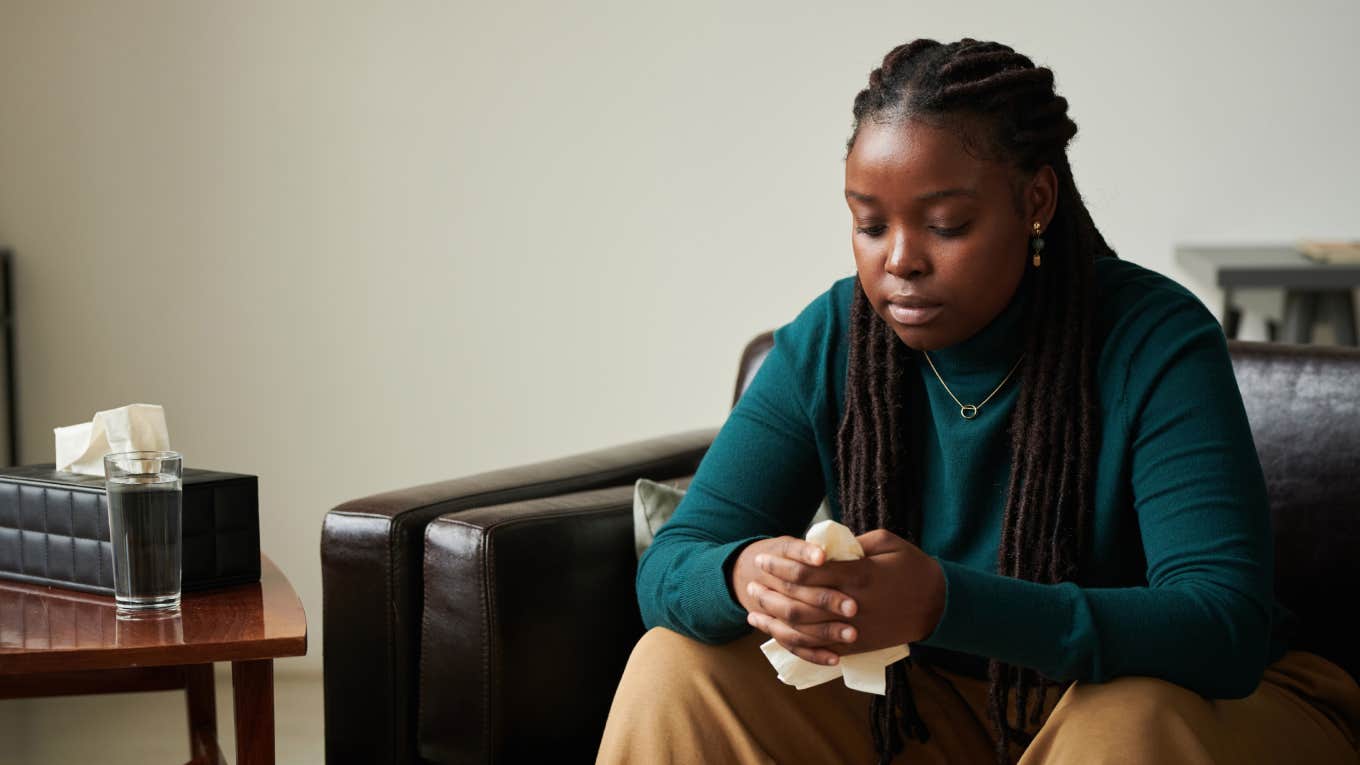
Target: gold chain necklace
969,411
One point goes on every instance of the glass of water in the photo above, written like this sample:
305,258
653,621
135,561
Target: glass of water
144,523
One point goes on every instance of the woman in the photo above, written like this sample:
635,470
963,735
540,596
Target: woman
1045,453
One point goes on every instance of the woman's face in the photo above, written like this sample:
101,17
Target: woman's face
939,244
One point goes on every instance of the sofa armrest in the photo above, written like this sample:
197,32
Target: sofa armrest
530,615
371,554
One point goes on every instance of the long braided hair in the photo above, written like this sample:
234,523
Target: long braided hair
1053,426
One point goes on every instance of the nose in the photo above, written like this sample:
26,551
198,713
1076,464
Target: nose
905,261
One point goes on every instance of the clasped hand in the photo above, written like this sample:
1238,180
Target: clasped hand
820,609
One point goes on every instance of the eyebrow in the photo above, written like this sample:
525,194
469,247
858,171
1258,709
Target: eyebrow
926,197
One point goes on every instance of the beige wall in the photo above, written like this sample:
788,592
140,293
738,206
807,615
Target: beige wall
356,246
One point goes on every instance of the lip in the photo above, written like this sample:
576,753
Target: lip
913,309
914,315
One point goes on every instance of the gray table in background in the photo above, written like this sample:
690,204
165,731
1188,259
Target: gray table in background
1313,291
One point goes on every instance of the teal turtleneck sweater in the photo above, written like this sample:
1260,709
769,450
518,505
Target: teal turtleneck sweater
1176,580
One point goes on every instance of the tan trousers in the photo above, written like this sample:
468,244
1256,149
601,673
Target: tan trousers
683,701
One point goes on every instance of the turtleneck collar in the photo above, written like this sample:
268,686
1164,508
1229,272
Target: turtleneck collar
994,348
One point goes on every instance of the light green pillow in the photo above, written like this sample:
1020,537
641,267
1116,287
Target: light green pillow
654,503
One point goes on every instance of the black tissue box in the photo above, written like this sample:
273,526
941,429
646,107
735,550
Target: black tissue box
54,529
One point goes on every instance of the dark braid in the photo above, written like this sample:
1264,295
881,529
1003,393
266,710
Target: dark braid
1001,103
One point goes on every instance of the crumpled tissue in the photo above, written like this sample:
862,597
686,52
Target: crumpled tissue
862,671
132,428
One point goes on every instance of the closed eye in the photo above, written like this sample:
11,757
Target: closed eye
872,231
949,233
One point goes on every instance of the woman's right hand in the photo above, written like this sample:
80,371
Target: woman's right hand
800,613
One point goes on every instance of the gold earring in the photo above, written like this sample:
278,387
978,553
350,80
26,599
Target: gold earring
1037,243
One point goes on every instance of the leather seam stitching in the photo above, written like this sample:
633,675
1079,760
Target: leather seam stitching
424,630
555,515
486,595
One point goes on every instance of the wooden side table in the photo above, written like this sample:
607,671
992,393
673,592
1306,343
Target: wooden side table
57,642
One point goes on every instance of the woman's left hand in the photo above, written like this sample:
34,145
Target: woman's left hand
898,591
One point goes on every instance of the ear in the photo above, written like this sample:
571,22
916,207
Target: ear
1041,197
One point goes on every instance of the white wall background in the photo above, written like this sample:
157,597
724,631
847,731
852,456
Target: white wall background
356,246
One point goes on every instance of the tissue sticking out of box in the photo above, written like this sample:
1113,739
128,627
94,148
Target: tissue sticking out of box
132,428
862,671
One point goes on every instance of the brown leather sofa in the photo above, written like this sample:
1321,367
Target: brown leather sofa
488,618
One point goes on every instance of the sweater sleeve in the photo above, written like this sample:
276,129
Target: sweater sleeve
1203,619
760,478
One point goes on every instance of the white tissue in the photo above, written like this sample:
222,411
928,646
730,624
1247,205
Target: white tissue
132,428
862,671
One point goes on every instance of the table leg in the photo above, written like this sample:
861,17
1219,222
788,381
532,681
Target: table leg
1340,309
253,697
200,695
1232,316
1300,311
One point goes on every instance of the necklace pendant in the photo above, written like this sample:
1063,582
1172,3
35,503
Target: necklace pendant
968,411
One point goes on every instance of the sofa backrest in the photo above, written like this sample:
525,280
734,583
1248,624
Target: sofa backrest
755,353
1303,403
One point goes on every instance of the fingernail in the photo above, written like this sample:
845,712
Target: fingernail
761,560
835,659
846,634
750,588
848,607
